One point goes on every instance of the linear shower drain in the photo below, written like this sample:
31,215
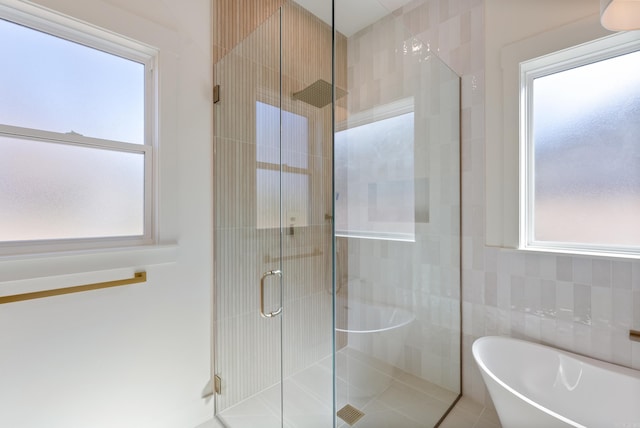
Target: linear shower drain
350,414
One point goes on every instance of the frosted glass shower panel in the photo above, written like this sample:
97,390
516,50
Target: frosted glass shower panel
587,153
57,85
61,191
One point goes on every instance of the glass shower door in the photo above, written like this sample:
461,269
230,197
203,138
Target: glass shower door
248,232
273,229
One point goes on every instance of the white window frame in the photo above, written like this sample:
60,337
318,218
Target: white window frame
584,54
93,37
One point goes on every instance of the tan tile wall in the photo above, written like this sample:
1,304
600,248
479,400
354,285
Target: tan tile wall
234,20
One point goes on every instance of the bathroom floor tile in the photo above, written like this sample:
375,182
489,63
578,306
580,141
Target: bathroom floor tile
349,394
427,387
251,421
459,419
401,400
468,413
314,420
318,381
253,406
299,402
400,395
412,403
469,406
490,415
483,423
365,377
377,416
211,424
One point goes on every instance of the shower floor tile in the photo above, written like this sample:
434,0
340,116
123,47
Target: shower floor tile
376,417
388,397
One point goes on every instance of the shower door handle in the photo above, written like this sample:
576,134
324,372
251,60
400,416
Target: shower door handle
263,314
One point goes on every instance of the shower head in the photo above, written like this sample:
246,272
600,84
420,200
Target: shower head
318,94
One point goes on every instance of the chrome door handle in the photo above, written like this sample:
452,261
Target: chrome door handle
262,280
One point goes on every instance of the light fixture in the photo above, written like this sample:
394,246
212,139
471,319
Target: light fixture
620,15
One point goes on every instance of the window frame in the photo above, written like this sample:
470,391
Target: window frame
93,37
555,62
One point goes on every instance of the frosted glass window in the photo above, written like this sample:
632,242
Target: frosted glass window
295,191
53,84
289,142
375,182
295,136
268,198
584,148
76,147
60,191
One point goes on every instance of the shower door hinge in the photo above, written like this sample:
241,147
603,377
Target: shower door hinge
216,94
217,384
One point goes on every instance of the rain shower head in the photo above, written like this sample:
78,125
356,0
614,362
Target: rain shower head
318,94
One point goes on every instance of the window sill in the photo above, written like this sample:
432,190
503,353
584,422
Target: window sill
379,236
24,267
584,252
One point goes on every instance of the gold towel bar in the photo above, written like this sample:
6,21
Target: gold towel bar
138,277
634,335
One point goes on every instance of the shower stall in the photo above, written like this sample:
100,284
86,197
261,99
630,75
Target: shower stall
337,217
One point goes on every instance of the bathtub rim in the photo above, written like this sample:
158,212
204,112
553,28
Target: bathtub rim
475,350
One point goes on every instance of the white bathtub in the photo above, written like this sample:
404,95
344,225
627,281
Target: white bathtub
538,386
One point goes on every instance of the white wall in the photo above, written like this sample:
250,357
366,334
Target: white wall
139,355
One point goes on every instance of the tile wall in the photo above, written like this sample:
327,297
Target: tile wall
386,64
234,20
582,304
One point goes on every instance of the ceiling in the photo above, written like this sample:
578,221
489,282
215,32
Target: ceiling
352,15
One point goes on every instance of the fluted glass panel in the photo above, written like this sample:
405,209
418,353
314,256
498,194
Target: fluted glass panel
306,201
247,346
273,211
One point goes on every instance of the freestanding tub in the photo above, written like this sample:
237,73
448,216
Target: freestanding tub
538,386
